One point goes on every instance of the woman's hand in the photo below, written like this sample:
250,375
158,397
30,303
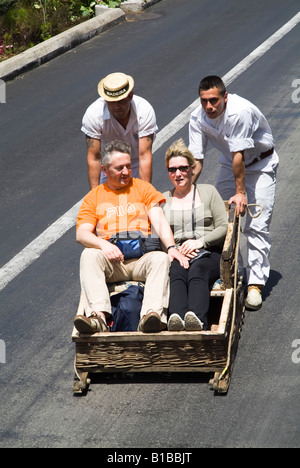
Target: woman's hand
190,247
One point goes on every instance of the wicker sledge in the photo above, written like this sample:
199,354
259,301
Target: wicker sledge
212,351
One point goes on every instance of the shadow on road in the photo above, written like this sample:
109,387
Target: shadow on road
273,280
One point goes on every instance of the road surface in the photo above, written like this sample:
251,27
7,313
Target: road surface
167,49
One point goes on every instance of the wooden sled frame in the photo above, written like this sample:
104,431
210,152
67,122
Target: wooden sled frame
211,351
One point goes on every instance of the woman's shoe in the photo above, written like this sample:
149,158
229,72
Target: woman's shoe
192,323
175,323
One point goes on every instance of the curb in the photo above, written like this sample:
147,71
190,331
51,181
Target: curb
129,6
57,45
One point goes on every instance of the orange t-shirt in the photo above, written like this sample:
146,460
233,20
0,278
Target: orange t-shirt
113,211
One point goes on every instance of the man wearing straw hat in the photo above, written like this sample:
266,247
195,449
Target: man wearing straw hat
119,114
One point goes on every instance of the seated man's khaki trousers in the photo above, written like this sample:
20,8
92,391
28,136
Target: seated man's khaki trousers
152,268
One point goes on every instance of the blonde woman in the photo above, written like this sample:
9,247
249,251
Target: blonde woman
198,220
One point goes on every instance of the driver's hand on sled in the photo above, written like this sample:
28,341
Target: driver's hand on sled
240,200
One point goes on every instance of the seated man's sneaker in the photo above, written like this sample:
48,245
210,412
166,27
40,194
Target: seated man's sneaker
150,323
192,323
175,323
254,299
90,325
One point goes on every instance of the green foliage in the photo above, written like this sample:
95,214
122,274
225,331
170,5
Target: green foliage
113,3
5,5
25,23
87,10
110,3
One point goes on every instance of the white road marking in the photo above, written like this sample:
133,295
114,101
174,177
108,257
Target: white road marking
35,249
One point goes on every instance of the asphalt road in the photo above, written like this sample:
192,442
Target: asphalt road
43,174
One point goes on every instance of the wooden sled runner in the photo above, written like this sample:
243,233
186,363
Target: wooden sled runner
211,351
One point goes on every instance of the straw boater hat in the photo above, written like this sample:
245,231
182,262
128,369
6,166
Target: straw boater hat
115,87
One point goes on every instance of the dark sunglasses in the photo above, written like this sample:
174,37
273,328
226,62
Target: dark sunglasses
180,168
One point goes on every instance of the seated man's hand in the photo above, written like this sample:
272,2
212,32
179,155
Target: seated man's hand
112,252
173,253
86,236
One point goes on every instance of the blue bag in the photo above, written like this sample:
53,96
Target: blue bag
126,308
133,244
130,244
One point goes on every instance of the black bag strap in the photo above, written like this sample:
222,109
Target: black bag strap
193,211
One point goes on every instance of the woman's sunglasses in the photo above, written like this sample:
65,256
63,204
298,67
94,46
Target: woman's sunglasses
180,168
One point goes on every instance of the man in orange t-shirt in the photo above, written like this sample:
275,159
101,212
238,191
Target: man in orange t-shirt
123,204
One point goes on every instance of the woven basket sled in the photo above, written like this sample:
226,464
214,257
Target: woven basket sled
212,351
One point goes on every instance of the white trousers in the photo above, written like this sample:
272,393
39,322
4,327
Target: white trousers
96,271
260,181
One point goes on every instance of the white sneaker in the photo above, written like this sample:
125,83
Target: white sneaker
254,299
175,323
192,323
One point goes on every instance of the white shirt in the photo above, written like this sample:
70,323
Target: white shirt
241,127
98,123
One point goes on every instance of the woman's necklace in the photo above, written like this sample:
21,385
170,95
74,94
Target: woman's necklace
185,201
182,196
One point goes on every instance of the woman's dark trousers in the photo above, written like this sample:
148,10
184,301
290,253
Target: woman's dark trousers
190,289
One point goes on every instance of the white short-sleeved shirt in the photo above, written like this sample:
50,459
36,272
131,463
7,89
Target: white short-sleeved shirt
241,127
98,123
